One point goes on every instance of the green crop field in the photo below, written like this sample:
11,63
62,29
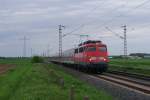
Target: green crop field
28,81
140,66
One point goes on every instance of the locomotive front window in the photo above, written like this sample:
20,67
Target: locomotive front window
76,51
91,49
102,49
81,49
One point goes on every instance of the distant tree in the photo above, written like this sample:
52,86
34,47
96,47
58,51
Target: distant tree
37,59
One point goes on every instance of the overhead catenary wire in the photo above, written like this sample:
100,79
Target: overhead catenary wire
109,21
73,31
121,37
91,11
130,10
142,4
83,24
124,38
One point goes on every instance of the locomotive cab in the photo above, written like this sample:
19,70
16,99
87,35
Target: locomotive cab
96,54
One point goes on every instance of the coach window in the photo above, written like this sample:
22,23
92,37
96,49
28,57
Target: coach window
84,48
81,49
102,49
76,51
91,49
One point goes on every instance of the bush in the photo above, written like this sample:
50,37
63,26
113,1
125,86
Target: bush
37,59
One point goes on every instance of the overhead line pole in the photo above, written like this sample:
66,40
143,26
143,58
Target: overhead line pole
125,41
60,39
31,52
48,50
122,37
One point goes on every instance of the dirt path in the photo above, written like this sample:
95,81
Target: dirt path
5,67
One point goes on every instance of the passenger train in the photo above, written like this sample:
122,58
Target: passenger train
89,56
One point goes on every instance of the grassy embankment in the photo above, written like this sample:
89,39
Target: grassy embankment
140,66
29,81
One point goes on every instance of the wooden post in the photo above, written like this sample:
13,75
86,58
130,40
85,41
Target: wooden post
86,98
71,93
62,82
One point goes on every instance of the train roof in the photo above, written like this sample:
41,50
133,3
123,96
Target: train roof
90,42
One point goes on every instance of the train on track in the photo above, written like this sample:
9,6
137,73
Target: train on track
89,56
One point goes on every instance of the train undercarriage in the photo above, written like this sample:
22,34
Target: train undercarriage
89,68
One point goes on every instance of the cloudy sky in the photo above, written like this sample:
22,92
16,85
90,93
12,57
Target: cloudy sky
38,20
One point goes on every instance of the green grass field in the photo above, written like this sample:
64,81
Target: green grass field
140,66
29,81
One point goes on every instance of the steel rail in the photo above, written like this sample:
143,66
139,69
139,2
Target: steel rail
126,83
131,79
133,75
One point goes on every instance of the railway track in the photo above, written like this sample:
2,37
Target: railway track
127,80
135,84
120,88
137,76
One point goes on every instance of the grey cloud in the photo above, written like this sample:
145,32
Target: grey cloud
39,20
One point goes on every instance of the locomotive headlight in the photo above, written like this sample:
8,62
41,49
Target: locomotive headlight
102,58
93,58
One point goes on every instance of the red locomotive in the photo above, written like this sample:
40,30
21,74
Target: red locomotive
88,56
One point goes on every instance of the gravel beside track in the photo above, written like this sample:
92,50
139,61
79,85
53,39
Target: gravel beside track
118,91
